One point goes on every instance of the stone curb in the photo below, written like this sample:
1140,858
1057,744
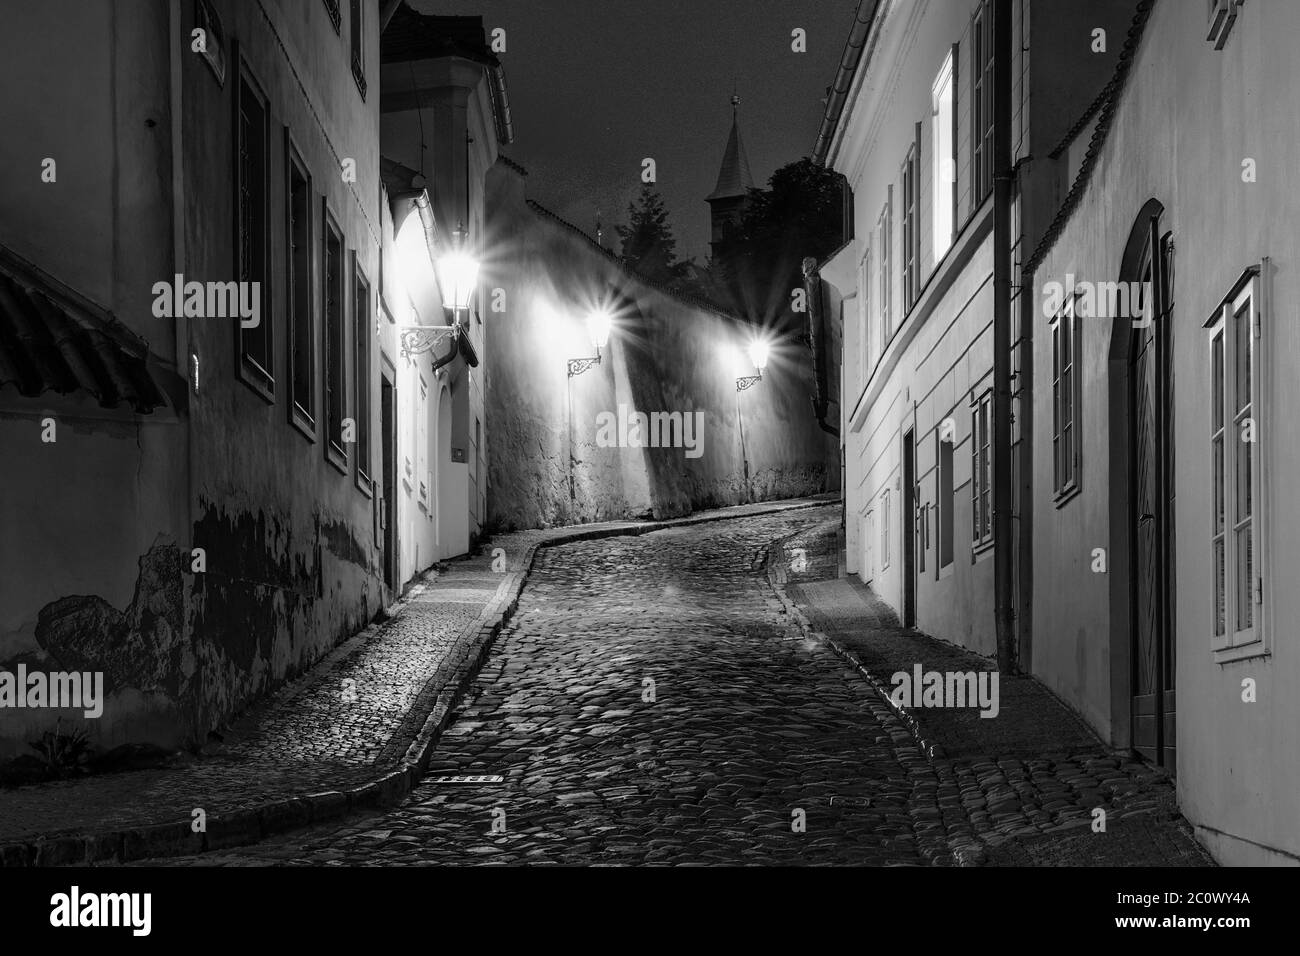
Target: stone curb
776,578
249,825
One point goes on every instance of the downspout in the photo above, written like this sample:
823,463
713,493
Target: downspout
1003,526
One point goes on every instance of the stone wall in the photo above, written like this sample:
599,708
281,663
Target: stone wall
548,457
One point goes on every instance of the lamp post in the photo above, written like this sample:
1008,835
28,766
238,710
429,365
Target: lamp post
457,271
598,326
758,350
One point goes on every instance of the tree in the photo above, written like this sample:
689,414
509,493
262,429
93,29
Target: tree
759,257
649,248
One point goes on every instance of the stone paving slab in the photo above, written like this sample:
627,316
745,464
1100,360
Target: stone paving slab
1019,789
355,731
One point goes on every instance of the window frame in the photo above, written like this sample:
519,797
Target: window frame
362,294
885,277
256,373
945,500
947,76
304,419
910,245
1066,328
982,84
884,530
1236,642
334,342
982,479
866,355
357,43
424,492
335,15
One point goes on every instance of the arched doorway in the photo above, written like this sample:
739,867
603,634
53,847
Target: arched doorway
1142,487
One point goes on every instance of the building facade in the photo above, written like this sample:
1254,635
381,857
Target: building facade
1164,535
229,462
914,127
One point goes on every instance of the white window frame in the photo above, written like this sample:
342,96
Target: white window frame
945,503
943,115
884,530
864,312
884,277
1234,639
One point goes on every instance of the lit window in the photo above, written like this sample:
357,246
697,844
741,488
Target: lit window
944,118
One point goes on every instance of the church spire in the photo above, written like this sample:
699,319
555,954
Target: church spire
734,178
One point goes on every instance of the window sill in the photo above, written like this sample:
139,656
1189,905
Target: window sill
945,572
364,484
980,551
336,457
1063,498
303,422
1243,652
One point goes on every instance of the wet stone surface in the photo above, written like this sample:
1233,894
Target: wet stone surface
652,703
649,703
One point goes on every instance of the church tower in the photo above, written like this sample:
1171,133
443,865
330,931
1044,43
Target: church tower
729,196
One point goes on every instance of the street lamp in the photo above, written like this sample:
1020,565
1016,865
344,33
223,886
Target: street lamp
457,271
598,326
758,350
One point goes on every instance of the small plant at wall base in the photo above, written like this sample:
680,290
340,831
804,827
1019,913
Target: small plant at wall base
63,755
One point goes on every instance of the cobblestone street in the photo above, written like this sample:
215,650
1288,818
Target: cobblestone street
653,702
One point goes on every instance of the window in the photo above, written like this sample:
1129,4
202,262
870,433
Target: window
356,26
335,385
361,371
910,253
981,103
945,502
1234,457
214,52
884,530
882,245
944,117
336,18
298,266
982,471
252,222
1067,394
422,442
866,352
1222,15
868,535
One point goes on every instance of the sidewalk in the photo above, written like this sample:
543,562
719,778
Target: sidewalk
355,732
1020,789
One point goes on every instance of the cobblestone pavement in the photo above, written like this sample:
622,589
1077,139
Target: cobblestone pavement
652,703
1030,780
757,747
338,726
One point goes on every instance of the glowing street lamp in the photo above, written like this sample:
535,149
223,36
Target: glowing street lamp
758,352
457,271
599,323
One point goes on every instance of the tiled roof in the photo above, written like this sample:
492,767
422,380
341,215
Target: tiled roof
50,345
734,178
416,36
1105,106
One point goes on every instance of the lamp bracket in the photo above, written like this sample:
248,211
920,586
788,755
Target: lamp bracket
424,338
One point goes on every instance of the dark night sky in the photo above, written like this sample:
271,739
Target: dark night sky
597,85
